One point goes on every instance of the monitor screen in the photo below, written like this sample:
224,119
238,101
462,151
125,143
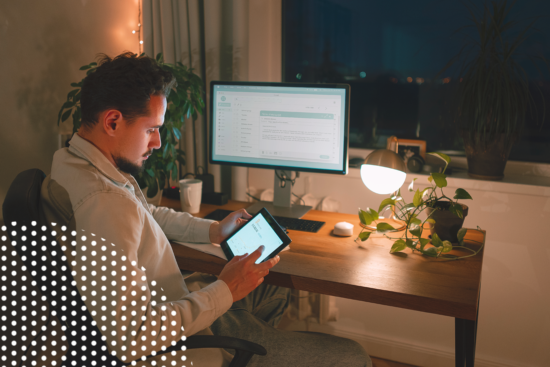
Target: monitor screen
298,127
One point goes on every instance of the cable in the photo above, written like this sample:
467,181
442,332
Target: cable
302,200
253,197
188,173
292,181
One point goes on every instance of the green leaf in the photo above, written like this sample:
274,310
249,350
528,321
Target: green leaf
423,242
385,203
461,234
152,190
462,194
66,115
71,94
384,227
364,235
412,184
447,246
456,209
76,118
85,67
177,133
397,246
76,85
445,157
430,220
430,178
432,252
165,150
373,213
175,98
365,217
440,179
417,232
436,241
416,221
417,200
150,172
159,57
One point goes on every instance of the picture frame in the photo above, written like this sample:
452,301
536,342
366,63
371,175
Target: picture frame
406,148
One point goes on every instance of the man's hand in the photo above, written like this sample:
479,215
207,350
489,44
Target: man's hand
220,231
242,275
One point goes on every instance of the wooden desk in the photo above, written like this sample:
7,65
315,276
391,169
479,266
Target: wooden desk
323,263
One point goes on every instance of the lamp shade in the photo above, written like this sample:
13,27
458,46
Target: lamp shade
383,171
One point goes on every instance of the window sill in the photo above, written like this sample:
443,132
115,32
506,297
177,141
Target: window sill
519,178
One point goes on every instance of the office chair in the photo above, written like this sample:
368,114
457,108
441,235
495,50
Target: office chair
43,259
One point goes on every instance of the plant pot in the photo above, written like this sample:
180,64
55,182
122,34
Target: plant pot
155,200
447,224
489,162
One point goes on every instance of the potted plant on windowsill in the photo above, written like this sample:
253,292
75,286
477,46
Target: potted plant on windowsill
494,94
184,101
444,218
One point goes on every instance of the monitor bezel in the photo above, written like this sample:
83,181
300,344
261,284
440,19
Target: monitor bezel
345,167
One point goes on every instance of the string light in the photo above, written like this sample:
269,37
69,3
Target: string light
138,31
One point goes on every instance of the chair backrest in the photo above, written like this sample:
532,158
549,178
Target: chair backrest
44,259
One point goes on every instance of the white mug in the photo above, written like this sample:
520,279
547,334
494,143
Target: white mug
190,195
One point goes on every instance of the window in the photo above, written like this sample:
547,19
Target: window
390,53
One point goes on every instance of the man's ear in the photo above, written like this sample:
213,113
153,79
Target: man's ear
111,122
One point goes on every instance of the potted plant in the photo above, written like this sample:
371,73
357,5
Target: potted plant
494,93
185,101
444,217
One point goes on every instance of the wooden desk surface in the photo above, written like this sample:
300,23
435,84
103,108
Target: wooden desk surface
323,263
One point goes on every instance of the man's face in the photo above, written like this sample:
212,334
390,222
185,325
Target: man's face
139,138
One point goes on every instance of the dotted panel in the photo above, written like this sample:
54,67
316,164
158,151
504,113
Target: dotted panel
32,334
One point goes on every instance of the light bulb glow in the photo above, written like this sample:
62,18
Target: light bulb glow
382,180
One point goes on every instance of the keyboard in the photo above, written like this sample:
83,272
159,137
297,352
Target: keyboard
294,224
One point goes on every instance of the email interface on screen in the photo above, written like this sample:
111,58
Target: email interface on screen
254,234
279,126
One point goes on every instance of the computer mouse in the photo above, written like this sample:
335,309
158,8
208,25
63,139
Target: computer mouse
343,229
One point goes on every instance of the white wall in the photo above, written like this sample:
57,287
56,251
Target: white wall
42,46
514,322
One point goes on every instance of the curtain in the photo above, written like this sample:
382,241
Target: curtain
173,27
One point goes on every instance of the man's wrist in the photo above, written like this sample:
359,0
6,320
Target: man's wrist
214,232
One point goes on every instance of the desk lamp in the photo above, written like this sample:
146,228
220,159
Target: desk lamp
383,172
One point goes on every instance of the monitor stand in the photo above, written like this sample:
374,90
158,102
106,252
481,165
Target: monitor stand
282,195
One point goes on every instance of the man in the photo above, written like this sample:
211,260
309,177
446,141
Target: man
122,260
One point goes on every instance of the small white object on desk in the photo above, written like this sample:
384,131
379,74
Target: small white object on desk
344,229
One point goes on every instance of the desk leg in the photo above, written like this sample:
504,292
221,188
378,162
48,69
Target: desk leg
465,342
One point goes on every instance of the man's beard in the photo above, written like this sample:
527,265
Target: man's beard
126,166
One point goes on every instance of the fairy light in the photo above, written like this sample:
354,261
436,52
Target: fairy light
138,31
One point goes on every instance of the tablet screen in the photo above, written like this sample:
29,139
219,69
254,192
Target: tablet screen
252,235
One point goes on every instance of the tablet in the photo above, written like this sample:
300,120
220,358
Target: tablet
262,229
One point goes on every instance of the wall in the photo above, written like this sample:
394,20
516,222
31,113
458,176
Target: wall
514,324
43,44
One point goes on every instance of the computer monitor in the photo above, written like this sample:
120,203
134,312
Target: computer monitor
283,126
